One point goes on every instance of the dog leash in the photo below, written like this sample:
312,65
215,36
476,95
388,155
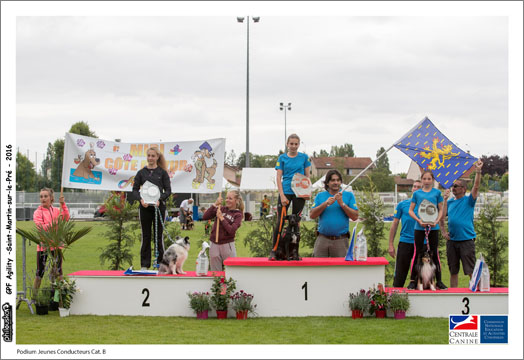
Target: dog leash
158,215
427,230
280,227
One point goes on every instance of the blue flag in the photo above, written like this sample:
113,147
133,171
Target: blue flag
431,150
349,255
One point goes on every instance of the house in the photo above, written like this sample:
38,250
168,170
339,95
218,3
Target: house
352,166
403,185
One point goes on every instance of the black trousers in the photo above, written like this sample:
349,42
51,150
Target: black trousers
147,222
420,235
298,206
402,264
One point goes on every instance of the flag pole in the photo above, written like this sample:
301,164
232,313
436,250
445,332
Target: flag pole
367,167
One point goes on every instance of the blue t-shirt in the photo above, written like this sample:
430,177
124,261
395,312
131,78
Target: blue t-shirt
407,233
434,196
333,221
290,166
460,218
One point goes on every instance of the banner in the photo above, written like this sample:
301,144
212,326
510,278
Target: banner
193,166
431,150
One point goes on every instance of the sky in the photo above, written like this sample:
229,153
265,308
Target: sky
363,80
359,73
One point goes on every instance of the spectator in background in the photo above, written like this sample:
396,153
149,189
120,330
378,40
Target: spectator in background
186,209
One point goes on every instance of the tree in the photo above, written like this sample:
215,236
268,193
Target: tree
345,150
504,182
26,178
491,242
120,231
382,163
230,158
494,164
257,161
82,128
322,153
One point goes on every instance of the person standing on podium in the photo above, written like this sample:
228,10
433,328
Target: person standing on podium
335,208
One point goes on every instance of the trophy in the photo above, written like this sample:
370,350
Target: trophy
427,212
150,193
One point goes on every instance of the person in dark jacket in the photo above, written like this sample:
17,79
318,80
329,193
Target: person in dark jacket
227,219
154,172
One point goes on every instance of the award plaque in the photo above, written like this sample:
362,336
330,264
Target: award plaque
150,193
427,212
301,186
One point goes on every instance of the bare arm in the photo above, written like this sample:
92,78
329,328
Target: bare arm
392,233
476,184
318,210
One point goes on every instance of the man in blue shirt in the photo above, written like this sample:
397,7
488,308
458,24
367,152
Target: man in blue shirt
406,243
335,208
461,237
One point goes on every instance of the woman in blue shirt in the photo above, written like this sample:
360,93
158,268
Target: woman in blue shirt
288,165
433,196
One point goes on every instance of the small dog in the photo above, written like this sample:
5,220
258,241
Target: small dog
290,241
426,273
87,164
174,257
189,222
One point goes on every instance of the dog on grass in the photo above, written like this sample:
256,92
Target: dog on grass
426,270
175,256
189,223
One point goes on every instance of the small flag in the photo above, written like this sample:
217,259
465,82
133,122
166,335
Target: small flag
349,255
431,150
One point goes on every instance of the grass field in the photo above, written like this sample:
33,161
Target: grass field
84,255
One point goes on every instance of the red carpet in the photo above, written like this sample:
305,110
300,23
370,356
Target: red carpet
250,261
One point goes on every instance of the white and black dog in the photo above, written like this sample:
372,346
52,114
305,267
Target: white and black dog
426,273
175,256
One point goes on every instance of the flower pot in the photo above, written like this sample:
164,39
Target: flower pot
202,314
357,314
41,309
242,314
380,313
53,306
221,314
400,314
63,312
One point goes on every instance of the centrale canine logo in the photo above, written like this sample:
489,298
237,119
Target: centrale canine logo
457,322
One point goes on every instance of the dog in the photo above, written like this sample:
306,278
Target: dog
288,246
87,164
189,223
174,257
426,270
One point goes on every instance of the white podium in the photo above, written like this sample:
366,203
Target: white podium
309,287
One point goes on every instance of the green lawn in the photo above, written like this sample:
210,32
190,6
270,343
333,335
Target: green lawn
84,255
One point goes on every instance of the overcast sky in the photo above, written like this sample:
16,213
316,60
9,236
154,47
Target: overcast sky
363,80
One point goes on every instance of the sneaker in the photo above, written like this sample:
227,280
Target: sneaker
441,286
143,269
412,286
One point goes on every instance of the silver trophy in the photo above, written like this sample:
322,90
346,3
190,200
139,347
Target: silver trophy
150,193
427,212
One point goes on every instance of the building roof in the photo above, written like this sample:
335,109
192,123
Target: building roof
402,181
348,162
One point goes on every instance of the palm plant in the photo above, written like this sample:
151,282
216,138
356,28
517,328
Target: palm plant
56,239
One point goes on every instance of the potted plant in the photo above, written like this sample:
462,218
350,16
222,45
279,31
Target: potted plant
221,291
56,239
399,303
242,303
65,289
200,303
42,297
358,303
378,300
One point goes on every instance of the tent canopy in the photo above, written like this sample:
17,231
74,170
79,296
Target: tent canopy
258,179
